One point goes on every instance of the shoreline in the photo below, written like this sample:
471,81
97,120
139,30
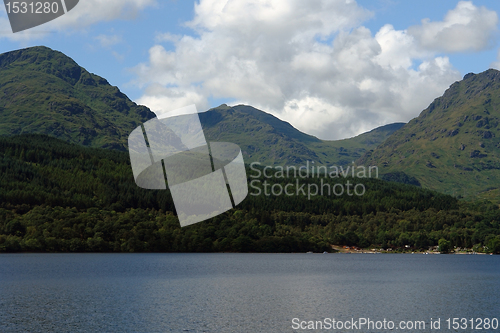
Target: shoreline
353,250
361,251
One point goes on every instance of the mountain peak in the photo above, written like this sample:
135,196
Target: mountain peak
43,59
453,145
44,91
266,139
489,74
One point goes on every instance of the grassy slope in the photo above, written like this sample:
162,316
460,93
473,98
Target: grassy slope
44,91
270,141
453,146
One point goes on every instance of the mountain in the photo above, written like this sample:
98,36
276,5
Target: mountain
453,146
266,139
44,91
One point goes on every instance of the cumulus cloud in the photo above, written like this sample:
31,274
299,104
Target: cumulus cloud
89,12
157,96
311,63
86,13
465,28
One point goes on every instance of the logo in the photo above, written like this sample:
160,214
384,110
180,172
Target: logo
204,178
31,13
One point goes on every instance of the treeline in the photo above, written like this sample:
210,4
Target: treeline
58,197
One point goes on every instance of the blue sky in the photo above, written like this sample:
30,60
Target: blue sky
332,68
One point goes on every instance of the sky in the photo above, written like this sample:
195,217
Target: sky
331,68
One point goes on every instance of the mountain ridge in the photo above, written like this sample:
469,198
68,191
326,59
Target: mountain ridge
453,146
270,141
44,91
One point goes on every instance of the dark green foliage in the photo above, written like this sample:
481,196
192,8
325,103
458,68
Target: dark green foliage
494,245
400,177
56,196
444,246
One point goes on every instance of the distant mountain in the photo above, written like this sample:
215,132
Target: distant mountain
266,139
453,146
44,91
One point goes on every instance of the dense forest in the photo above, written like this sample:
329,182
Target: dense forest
59,197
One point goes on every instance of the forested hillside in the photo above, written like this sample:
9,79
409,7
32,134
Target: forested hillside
56,196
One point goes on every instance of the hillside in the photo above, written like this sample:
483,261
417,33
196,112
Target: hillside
44,91
61,197
266,139
453,146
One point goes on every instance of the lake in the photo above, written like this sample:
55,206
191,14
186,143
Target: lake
244,292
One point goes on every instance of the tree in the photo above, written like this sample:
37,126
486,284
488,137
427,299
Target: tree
444,245
494,245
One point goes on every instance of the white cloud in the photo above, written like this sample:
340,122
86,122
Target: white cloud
86,13
295,20
89,12
311,63
465,28
157,96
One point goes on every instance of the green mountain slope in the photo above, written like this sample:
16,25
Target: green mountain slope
61,197
453,146
266,139
44,91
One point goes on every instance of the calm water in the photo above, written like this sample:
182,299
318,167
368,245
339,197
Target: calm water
239,292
